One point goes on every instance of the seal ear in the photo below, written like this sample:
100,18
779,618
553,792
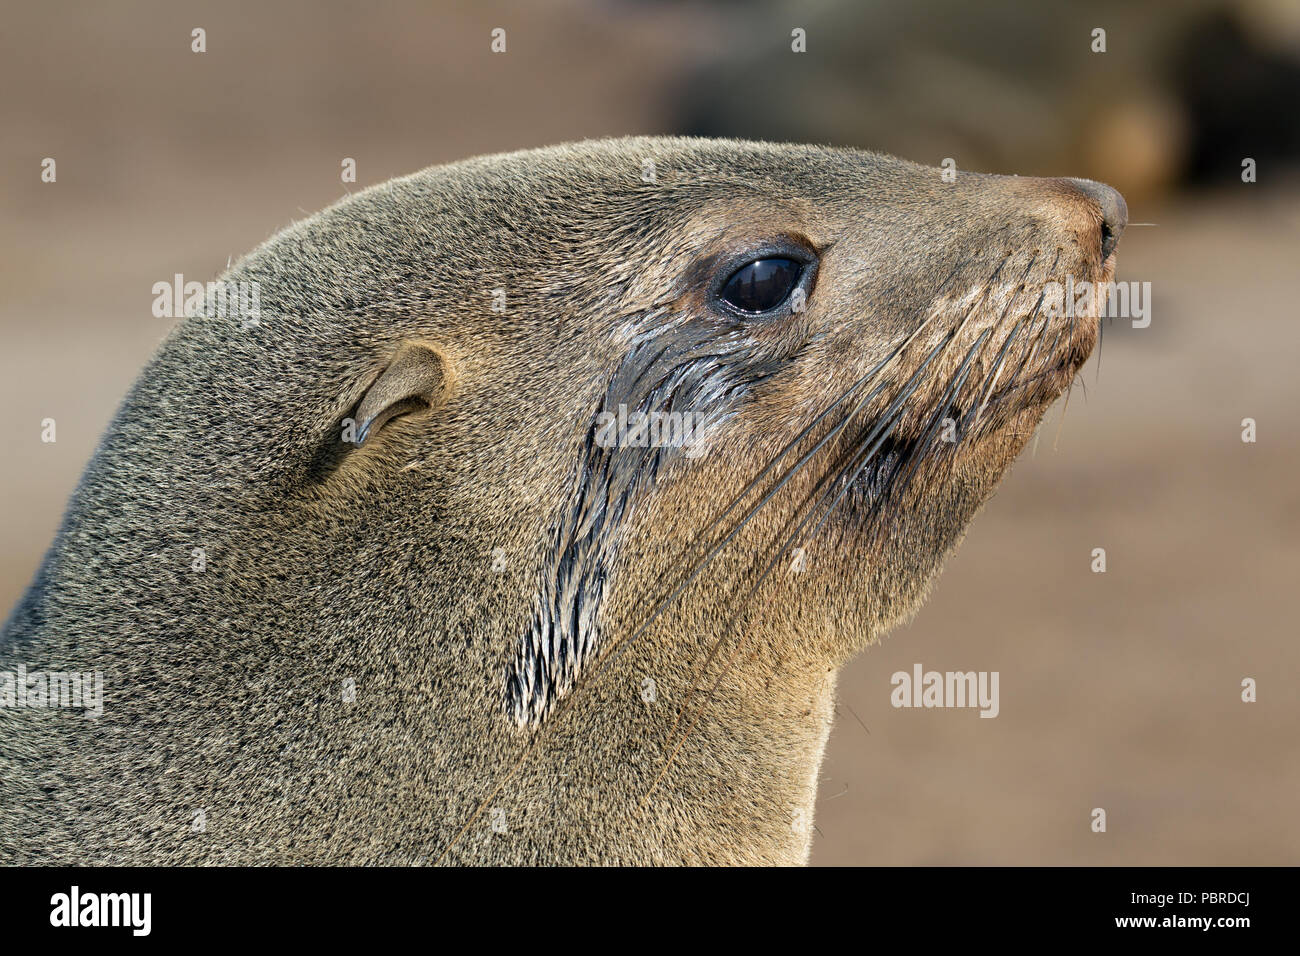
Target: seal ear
414,379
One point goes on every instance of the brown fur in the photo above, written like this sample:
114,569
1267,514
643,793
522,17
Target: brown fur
416,564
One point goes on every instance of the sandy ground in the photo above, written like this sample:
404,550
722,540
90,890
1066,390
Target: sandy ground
1118,690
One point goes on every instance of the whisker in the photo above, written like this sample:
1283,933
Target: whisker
994,374
880,434
889,419
924,443
781,552
835,404
612,653
1026,361
704,561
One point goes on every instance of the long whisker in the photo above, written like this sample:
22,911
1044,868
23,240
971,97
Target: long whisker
613,652
781,552
995,372
1047,320
994,376
702,563
922,449
875,371
835,404
888,423
875,440
693,712
959,380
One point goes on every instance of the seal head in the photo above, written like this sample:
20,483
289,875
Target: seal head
533,515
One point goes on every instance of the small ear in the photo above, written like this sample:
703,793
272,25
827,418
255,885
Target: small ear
414,379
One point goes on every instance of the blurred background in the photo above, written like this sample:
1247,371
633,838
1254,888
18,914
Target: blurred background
1118,690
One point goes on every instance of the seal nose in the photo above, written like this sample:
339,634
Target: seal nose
1114,212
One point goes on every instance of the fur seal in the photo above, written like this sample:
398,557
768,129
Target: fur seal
421,567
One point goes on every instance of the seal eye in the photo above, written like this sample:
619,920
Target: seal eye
762,285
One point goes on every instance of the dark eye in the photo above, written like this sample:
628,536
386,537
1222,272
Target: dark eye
762,285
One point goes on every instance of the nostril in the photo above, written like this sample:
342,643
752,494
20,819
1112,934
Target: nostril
1108,240
1114,212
